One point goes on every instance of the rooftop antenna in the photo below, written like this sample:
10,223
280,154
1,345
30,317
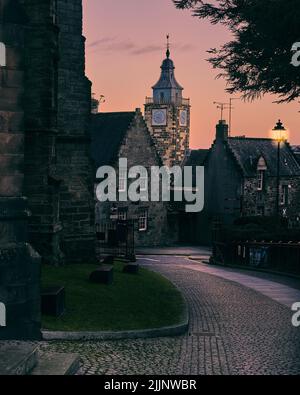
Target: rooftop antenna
222,107
168,46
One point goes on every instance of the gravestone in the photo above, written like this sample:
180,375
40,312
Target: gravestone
103,275
53,301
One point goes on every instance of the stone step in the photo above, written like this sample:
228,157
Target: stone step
54,364
17,359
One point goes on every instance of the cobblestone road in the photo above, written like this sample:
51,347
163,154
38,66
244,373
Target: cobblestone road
233,330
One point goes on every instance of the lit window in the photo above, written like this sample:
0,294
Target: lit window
2,55
261,180
143,220
122,214
123,180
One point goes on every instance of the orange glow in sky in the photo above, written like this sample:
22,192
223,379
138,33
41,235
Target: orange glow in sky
126,43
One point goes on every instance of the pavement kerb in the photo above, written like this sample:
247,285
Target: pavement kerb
243,268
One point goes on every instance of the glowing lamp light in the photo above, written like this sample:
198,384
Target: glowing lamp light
279,133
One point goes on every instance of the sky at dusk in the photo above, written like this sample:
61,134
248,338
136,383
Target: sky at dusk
126,43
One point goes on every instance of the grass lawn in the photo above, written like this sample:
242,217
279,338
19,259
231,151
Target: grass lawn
142,301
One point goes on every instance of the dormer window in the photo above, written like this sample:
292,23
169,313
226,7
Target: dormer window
2,55
261,173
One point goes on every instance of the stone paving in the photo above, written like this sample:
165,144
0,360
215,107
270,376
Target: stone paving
233,330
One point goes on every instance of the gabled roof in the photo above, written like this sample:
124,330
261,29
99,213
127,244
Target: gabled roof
108,131
248,151
196,157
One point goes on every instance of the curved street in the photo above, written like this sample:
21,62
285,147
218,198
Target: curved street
234,328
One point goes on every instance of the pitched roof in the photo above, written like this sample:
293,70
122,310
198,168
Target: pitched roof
248,151
108,130
196,157
296,150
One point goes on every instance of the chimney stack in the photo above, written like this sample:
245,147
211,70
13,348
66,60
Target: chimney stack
222,132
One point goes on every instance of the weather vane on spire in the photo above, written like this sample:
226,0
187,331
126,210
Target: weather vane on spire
168,46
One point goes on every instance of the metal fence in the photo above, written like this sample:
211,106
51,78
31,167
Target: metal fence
281,257
115,238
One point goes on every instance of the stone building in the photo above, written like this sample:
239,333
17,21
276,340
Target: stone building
167,115
125,135
58,170
45,106
160,138
19,264
241,180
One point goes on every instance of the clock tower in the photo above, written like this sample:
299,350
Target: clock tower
167,115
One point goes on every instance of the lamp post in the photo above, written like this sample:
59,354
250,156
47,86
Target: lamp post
279,132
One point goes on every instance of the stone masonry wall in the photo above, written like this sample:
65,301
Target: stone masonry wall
41,127
73,142
254,200
19,263
171,141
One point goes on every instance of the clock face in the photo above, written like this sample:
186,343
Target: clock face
159,117
183,118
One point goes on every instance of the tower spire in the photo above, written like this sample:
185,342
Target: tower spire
168,46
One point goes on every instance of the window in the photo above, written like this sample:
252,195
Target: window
261,180
285,195
143,220
162,97
2,55
122,214
123,180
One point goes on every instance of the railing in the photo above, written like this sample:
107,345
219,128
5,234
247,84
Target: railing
281,257
178,102
115,238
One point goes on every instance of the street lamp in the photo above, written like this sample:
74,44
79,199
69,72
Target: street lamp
280,136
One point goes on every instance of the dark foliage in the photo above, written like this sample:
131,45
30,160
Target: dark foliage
258,59
260,229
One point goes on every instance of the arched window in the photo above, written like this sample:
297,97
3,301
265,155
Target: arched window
2,55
